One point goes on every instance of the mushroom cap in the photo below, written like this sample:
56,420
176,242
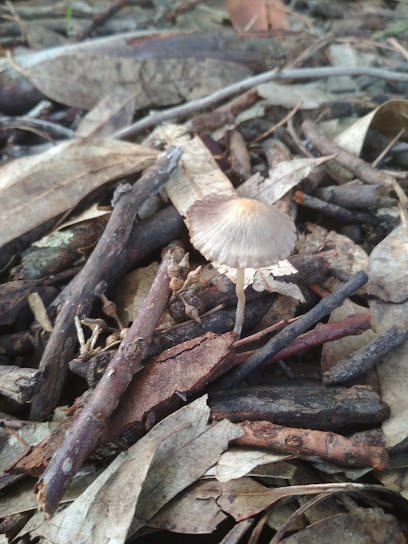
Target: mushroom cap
240,232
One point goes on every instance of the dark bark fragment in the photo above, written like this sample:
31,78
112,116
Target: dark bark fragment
325,409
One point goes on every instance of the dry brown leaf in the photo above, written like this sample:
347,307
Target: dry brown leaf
140,481
112,113
193,512
250,16
335,351
283,177
349,259
361,525
37,188
311,95
80,75
393,370
389,119
387,270
238,461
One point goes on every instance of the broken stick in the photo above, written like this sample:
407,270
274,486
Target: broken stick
92,281
90,424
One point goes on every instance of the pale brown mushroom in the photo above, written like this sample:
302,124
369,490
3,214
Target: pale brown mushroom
241,233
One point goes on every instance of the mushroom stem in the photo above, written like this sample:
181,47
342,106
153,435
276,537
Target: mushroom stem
239,317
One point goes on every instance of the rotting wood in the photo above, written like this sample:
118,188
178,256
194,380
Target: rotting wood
313,407
92,281
306,443
105,398
159,389
19,384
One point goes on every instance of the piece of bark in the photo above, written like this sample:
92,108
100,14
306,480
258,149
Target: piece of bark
364,359
92,421
307,443
34,460
91,281
159,389
357,166
292,331
317,407
19,384
357,196
13,300
61,250
184,369
16,344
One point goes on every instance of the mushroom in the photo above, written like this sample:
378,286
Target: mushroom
241,233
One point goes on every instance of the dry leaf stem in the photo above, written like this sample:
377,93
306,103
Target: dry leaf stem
329,446
285,337
90,424
91,281
357,166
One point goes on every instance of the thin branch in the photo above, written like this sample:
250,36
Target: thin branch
285,337
93,280
126,362
195,106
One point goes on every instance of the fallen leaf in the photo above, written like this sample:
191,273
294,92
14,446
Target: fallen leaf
37,188
393,370
349,258
389,119
251,16
335,351
238,462
283,177
195,511
311,95
361,525
82,74
387,269
143,479
112,113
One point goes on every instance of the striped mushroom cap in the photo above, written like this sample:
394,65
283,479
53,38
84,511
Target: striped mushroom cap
240,232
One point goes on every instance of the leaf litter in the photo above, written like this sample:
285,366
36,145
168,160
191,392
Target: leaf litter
179,474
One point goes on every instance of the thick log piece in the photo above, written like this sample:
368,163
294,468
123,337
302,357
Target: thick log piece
320,408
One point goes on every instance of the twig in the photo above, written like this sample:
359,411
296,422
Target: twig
179,10
99,20
201,104
362,360
360,168
387,148
91,281
353,325
283,338
344,215
278,125
329,446
398,47
105,398
39,126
